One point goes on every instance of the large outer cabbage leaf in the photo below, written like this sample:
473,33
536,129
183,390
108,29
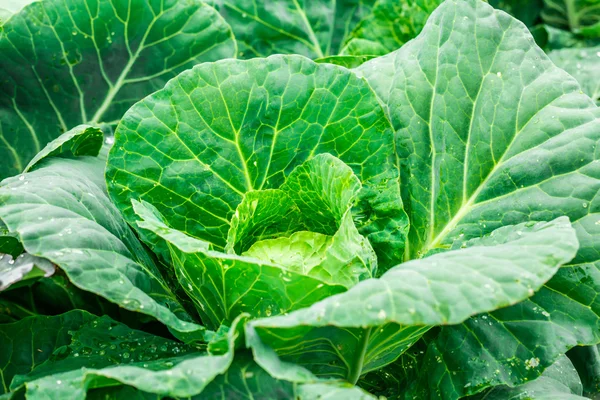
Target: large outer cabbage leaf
370,325
61,212
77,356
224,285
31,341
105,353
490,132
312,28
221,130
71,62
516,143
390,24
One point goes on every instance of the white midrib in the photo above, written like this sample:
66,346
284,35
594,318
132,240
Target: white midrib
467,204
464,210
432,143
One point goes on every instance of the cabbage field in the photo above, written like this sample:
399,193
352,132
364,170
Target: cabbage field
299,199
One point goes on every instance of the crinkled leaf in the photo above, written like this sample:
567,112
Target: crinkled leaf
301,252
368,326
342,259
82,140
62,214
391,24
262,214
312,28
224,285
584,65
241,126
22,267
324,189
316,235
31,341
74,62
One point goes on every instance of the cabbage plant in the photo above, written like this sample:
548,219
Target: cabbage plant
177,222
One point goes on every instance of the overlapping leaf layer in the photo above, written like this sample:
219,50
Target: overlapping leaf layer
378,198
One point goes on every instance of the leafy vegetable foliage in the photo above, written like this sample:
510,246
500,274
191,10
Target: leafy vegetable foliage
66,63
241,126
61,212
503,159
583,65
314,29
377,320
572,14
560,380
503,155
390,25
286,228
